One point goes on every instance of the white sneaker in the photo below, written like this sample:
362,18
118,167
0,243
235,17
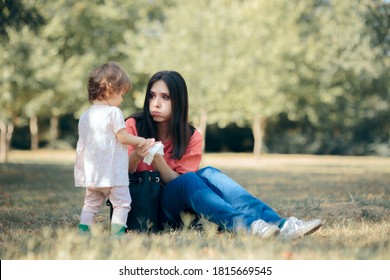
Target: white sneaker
294,228
263,229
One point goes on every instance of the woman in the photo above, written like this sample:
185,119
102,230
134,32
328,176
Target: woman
206,192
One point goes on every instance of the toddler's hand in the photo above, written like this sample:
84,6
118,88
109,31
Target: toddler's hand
142,148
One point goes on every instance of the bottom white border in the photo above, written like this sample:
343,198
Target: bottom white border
193,269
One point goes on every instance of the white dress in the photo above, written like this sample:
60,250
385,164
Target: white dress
101,160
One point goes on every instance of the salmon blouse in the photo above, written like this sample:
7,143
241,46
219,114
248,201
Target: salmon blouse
189,162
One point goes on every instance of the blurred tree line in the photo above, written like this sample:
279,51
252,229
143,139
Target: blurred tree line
285,76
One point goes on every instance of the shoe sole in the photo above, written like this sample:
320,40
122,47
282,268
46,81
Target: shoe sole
309,230
314,229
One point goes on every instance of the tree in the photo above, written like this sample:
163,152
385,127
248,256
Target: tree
336,73
195,39
84,35
16,16
45,70
269,46
237,57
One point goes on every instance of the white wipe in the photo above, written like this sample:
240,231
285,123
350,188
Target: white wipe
158,148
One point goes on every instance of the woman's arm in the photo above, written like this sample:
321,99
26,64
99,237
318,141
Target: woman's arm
167,174
188,163
139,152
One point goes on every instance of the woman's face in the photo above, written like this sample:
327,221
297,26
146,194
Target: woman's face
160,105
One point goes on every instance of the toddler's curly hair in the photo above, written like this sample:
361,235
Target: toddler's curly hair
106,80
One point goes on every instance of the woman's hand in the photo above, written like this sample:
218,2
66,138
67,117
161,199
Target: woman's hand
139,152
167,174
142,149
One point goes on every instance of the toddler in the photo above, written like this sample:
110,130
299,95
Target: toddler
101,155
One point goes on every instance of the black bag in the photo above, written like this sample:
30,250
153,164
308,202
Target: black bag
145,191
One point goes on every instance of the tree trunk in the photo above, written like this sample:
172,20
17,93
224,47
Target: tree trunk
53,131
34,133
10,131
3,142
258,129
202,128
6,131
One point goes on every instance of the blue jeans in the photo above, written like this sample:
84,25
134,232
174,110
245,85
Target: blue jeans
213,195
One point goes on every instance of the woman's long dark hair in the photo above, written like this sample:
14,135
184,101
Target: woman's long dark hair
179,127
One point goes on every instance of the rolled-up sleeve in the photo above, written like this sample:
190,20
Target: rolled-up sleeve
131,129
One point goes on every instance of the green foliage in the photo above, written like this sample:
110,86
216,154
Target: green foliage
16,14
321,64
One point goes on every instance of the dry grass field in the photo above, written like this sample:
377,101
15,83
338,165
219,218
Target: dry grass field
40,207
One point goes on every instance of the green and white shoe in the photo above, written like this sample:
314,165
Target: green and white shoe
117,231
84,230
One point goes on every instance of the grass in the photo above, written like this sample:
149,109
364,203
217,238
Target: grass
40,208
